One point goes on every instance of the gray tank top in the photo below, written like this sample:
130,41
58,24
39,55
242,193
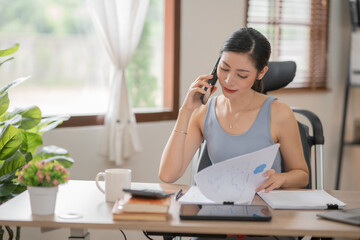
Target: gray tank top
222,145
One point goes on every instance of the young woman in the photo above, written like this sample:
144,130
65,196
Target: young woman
241,120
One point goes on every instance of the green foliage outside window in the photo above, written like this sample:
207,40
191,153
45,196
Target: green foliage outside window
53,33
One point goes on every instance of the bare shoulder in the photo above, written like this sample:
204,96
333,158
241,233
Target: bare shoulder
199,114
281,112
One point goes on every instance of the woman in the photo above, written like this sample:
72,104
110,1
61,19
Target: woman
241,120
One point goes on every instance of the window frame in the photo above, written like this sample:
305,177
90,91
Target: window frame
171,76
318,40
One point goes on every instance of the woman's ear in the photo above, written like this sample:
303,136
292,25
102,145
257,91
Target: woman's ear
262,73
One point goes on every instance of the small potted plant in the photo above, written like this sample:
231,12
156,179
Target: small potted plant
42,179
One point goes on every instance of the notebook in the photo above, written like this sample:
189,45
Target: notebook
350,216
301,199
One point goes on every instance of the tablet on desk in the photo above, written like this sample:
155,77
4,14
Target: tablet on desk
224,212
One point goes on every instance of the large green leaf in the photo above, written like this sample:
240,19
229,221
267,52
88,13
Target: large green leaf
28,156
7,188
65,161
50,151
31,116
7,196
10,50
31,141
10,141
4,199
14,162
15,121
19,189
13,84
49,123
8,177
4,103
9,59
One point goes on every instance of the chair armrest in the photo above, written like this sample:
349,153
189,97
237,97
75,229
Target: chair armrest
316,125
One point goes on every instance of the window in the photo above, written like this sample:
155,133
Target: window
297,31
69,69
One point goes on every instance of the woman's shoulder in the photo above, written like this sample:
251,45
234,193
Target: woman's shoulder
281,112
200,112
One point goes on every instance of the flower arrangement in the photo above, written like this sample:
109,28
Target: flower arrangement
43,174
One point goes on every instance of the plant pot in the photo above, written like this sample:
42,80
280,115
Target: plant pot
43,199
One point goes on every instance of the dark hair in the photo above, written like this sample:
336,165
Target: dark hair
251,41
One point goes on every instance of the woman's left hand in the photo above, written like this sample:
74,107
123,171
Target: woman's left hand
275,180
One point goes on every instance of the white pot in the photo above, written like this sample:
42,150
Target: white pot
43,199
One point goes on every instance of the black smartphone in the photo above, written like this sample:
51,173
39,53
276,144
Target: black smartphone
225,212
205,97
148,193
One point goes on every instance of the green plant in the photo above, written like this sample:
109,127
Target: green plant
21,133
42,174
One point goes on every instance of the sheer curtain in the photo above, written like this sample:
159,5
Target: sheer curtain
119,24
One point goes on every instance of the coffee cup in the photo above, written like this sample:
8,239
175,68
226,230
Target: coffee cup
115,180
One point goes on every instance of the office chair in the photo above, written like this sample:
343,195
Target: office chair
284,73
279,75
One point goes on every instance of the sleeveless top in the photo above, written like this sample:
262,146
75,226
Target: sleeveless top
222,145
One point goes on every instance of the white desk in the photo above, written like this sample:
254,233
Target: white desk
83,198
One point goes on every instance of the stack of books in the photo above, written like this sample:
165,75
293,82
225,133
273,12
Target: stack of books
136,208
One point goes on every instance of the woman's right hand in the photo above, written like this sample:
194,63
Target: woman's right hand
192,100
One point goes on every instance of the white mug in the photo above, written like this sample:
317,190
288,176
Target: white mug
115,180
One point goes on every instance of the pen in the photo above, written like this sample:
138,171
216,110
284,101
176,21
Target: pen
178,195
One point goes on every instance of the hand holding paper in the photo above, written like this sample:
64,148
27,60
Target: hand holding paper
236,179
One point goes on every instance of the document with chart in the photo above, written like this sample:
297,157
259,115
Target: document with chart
234,180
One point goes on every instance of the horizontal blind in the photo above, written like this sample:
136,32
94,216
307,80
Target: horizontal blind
297,31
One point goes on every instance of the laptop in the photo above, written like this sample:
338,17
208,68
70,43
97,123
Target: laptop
350,216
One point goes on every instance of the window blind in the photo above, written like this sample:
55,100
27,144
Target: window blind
297,31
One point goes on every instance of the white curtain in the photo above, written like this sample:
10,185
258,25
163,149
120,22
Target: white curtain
119,24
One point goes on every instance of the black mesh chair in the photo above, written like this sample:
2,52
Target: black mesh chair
279,75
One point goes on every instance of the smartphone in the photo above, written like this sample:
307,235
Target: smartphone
148,193
225,212
205,97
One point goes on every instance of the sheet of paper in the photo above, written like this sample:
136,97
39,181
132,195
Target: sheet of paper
301,199
194,196
235,180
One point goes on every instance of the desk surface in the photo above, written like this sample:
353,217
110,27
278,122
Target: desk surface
83,198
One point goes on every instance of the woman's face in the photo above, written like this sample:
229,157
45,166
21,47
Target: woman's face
236,73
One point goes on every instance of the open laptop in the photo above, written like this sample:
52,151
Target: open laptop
351,216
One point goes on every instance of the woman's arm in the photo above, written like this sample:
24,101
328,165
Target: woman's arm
186,136
285,129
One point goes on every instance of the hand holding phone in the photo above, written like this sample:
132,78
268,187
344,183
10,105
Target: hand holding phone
205,97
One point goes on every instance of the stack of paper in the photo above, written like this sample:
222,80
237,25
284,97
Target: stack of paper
302,199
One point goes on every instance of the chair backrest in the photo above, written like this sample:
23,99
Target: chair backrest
278,76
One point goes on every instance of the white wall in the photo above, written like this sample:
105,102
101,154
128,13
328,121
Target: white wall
205,24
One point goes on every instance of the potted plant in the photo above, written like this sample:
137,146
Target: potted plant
42,179
21,133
